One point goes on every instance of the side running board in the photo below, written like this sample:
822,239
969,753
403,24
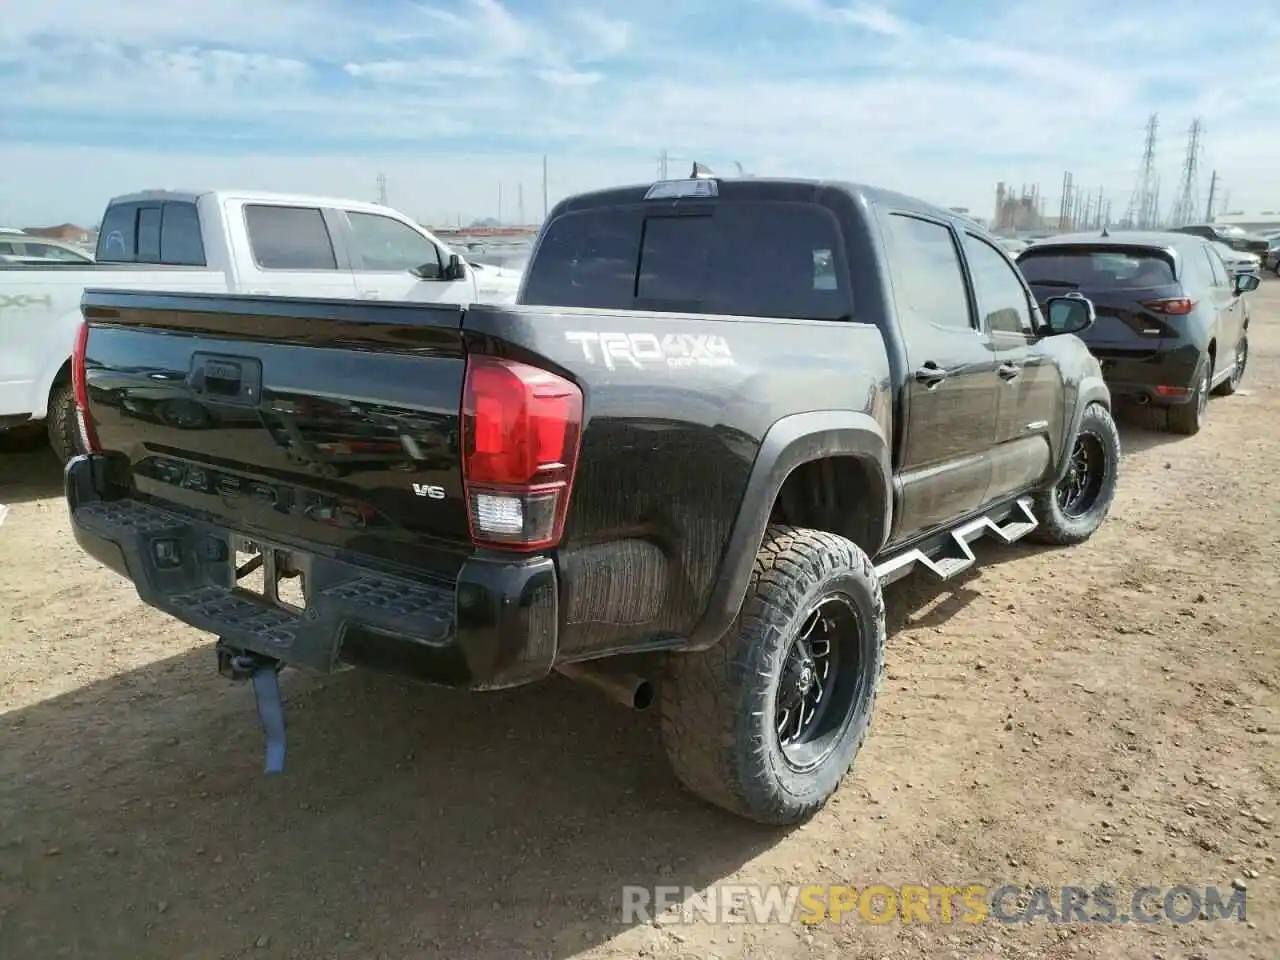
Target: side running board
949,552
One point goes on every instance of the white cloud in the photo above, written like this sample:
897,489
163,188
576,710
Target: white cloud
606,37
872,17
569,78
449,99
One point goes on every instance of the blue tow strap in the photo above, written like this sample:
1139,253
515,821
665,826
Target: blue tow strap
266,692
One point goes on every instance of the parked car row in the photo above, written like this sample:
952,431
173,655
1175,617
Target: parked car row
1232,236
1172,319
1241,251
1272,260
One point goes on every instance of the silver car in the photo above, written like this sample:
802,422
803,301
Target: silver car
20,247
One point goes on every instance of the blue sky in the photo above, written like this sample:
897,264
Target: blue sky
451,100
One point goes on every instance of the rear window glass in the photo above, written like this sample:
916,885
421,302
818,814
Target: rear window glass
1095,269
118,235
165,233
289,238
180,241
744,258
149,234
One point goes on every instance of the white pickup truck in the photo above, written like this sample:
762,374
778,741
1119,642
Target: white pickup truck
225,241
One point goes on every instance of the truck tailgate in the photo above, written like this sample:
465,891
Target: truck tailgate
339,429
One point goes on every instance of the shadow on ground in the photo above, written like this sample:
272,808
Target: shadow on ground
1143,428
135,820
29,474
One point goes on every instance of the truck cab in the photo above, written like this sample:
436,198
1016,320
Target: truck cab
291,245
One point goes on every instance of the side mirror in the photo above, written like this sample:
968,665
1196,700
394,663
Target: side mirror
457,268
1069,314
1246,283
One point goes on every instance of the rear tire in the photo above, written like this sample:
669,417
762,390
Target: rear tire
1230,385
809,640
1072,510
62,425
1187,418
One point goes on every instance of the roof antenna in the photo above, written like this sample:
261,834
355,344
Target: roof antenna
1106,232
700,170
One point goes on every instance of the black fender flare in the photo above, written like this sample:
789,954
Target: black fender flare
790,442
1092,390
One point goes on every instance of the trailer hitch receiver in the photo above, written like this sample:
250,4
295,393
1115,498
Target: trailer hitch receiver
263,672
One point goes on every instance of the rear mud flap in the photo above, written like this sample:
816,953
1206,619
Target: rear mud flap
264,674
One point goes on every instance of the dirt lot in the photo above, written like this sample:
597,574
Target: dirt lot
1104,714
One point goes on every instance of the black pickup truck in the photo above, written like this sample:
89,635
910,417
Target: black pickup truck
722,414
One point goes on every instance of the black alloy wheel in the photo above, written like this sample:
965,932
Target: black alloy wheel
821,684
1079,489
1073,509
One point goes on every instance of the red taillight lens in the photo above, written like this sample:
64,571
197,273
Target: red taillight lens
1171,307
520,432
88,436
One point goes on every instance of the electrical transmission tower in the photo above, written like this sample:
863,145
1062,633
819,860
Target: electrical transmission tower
382,189
1186,208
664,162
1142,212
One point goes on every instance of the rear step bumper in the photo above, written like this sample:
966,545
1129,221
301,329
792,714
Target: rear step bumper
495,627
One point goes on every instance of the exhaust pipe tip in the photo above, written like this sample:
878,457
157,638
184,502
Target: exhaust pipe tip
631,691
642,698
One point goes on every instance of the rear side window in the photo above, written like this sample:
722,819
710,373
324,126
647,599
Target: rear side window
149,235
289,238
180,241
737,258
118,235
160,233
928,277
1085,269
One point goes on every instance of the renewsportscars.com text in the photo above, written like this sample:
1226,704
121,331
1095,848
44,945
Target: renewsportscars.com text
937,904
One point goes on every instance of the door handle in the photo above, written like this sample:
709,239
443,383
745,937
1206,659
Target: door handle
369,294
931,374
1008,371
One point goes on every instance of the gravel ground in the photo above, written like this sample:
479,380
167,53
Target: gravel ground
1108,713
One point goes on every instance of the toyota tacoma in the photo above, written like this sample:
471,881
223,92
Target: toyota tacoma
721,415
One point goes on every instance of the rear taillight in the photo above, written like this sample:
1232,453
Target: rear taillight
520,432
88,435
1171,306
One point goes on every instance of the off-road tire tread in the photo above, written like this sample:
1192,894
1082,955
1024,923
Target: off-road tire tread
1058,530
64,431
704,694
